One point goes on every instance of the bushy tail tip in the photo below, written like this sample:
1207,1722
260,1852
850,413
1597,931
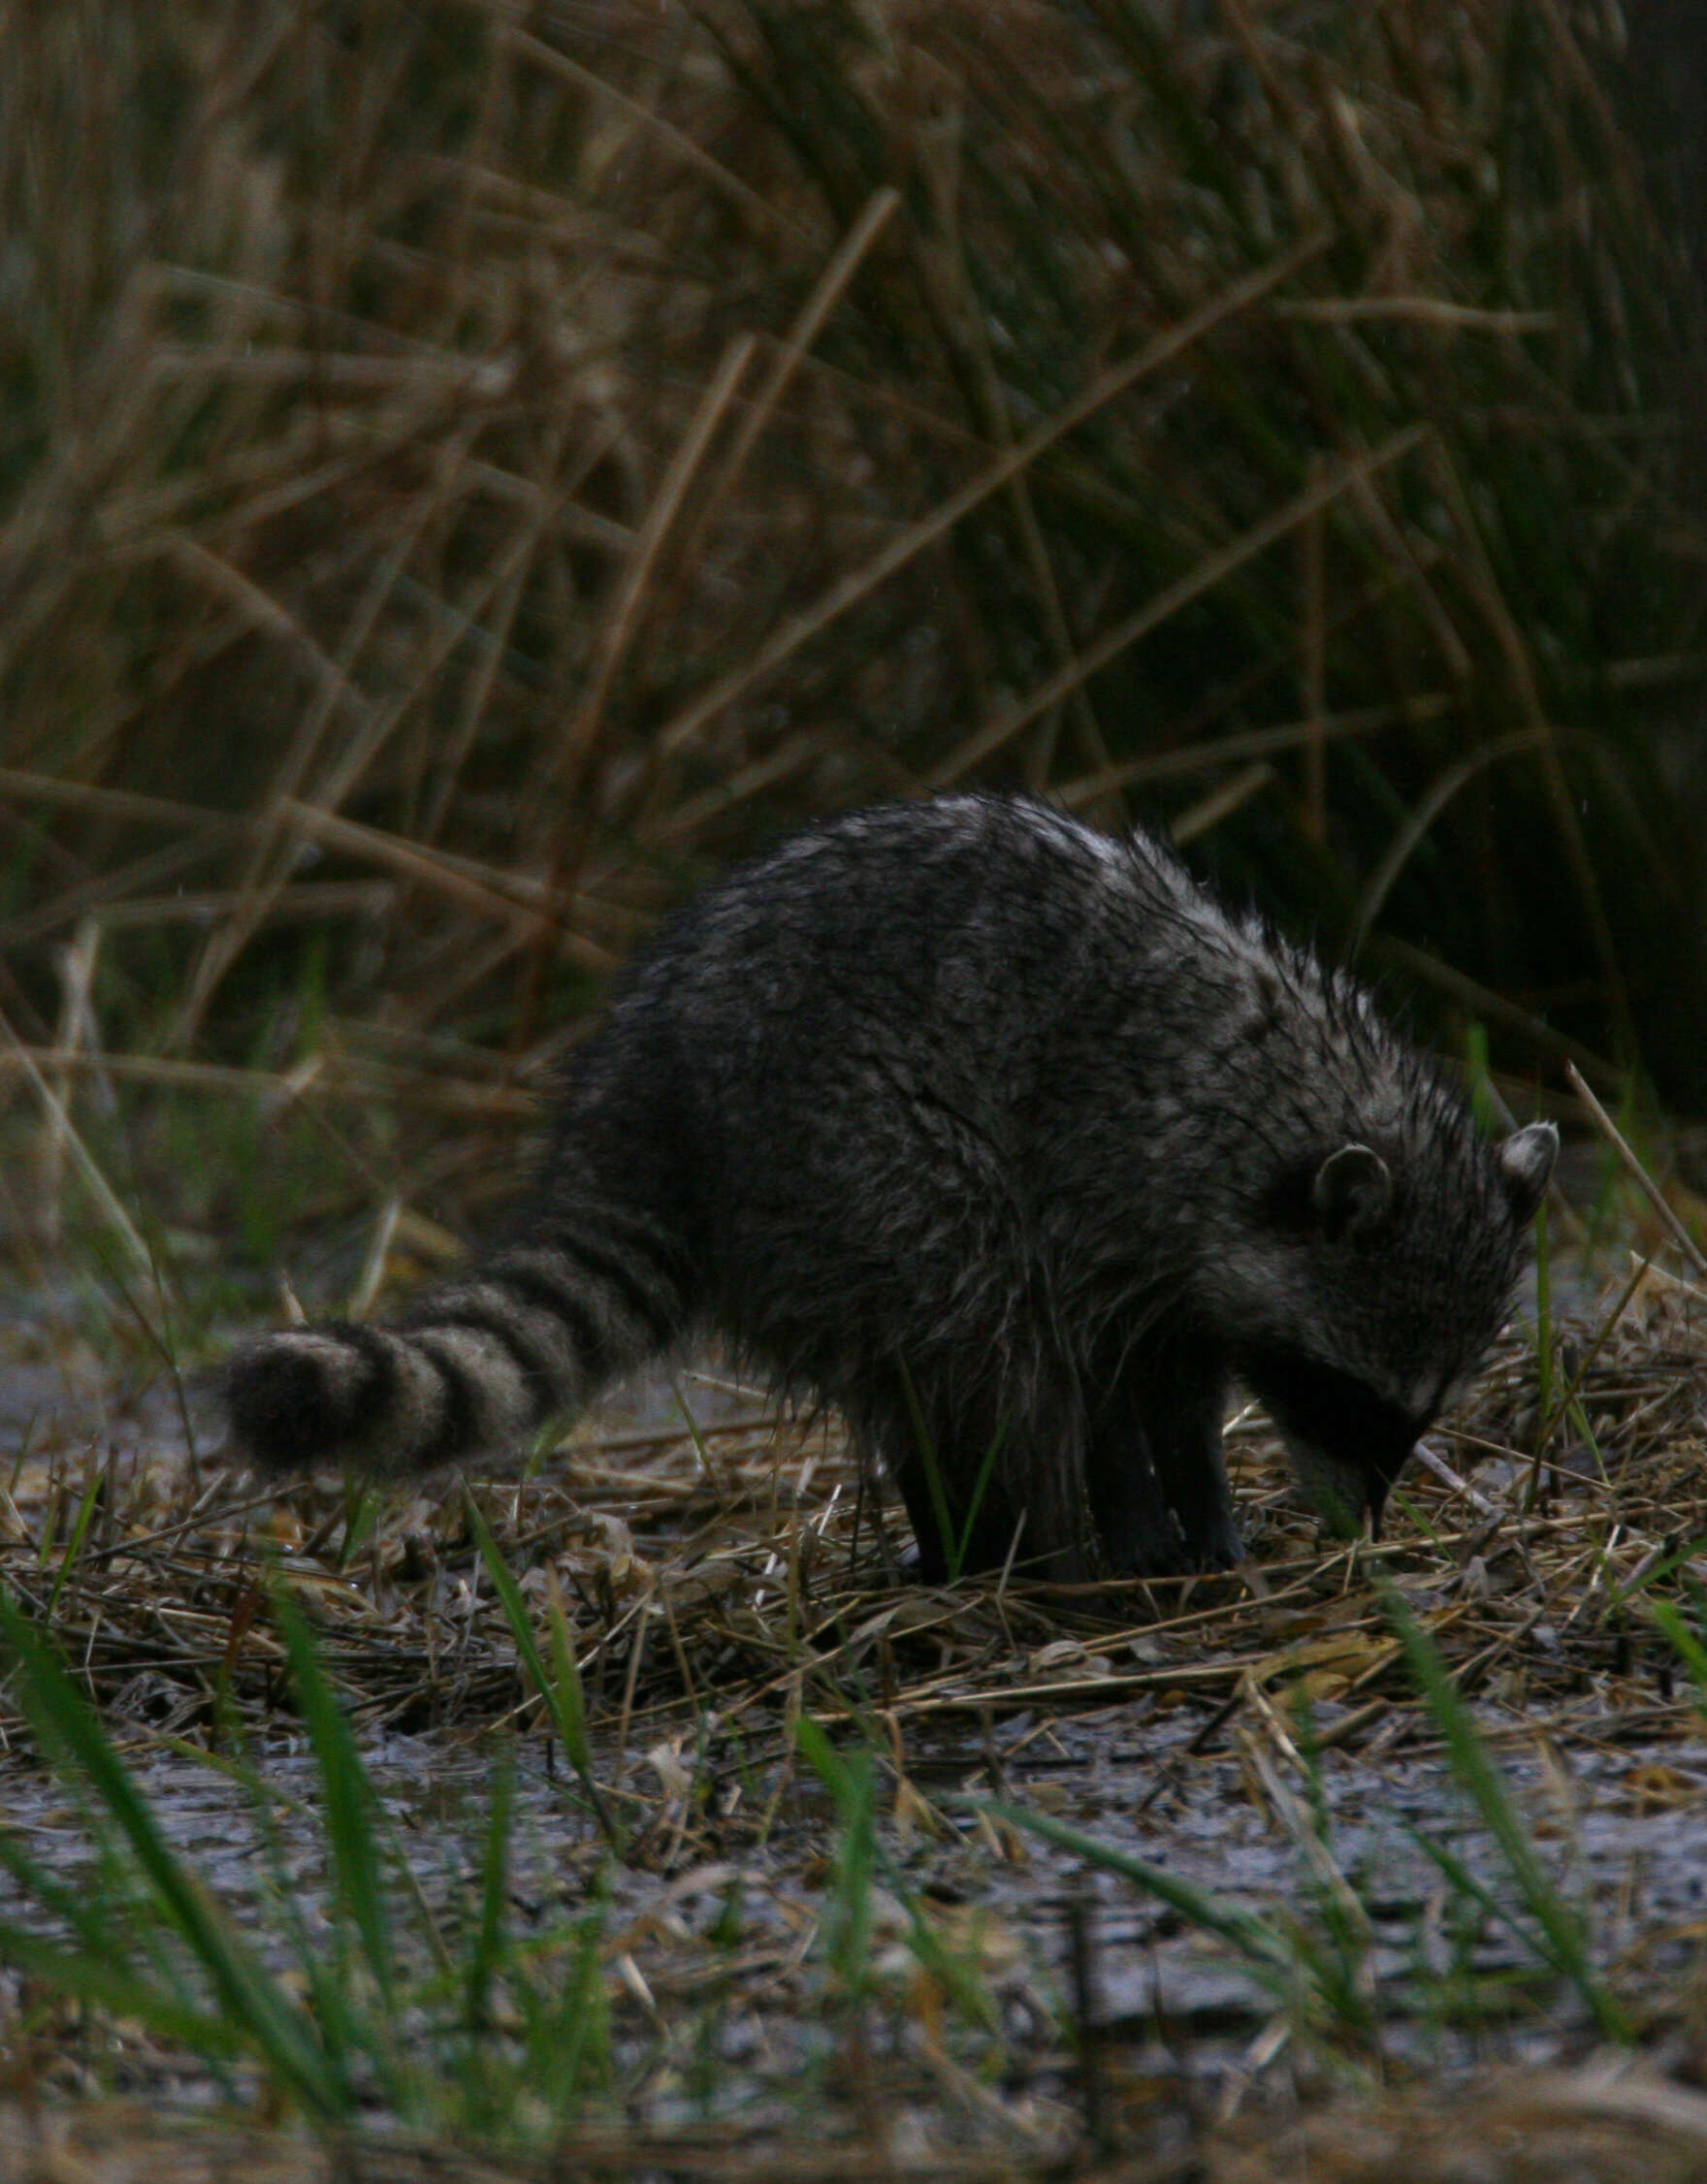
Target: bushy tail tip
304,1396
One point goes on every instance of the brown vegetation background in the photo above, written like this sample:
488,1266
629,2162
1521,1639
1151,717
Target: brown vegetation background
467,469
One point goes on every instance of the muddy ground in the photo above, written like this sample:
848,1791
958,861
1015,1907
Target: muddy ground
1258,1737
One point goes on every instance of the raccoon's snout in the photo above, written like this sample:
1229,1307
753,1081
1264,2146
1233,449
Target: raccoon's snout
1348,1495
1345,1445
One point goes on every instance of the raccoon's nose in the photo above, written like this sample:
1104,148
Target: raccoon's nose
1378,1485
1349,1491
1361,1508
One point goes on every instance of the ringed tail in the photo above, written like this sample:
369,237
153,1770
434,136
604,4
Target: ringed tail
475,1366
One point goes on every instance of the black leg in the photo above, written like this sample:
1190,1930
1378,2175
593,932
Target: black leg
1140,1534
1185,1438
1030,1489
1157,1484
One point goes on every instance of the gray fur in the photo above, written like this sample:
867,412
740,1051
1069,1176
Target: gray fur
996,1133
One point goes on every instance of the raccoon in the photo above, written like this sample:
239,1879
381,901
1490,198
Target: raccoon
1010,1142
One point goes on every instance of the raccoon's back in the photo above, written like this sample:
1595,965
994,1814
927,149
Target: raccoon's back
958,945
896,1044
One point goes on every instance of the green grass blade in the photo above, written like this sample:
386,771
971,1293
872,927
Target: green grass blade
489,1942
94,1979
1266,1949
74,1545
362,1512
562,1694
1684,1642
1465,1884
984,1472
350,1803
69,1732
1566,1939
579,2057
570,1712
338,2003
952,1548
853,1786
84,1913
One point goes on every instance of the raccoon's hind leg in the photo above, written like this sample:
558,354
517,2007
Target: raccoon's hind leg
1154,1470
475,1364
886,1417
1009,1467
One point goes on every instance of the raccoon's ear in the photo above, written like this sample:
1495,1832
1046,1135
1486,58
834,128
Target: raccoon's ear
1526,1166
1352,1190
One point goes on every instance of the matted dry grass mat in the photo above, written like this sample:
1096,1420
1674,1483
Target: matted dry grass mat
724,1588
1591,2127
740,1566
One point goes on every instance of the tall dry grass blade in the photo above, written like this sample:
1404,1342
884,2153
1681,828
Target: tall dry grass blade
791,353
337,690
1521,670
570,765
319,1079
1426,811
509,897
677,733
58,1117
270,867
1420,569
940,252
1480,1001
684,816
115,882
1633,1166
1314,647
1168,602
573,756
1423,310
1196,757
721,178
77,1034
478,695
303,899
1221,803
264,614
111,803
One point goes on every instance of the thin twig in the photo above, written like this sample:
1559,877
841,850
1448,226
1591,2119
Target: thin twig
1609,1129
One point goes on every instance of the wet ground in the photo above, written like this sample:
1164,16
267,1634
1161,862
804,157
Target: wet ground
1173,1734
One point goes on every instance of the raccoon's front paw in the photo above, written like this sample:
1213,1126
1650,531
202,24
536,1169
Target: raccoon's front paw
1214,1545
1165,1548
1146,1544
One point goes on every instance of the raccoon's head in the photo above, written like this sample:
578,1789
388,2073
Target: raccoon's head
1370,1292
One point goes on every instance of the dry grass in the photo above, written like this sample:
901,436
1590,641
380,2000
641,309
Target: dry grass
740,1568
510,466
721,1587
1596,2126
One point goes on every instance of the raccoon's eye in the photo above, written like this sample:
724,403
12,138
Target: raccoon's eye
1331,1408
1335,1196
